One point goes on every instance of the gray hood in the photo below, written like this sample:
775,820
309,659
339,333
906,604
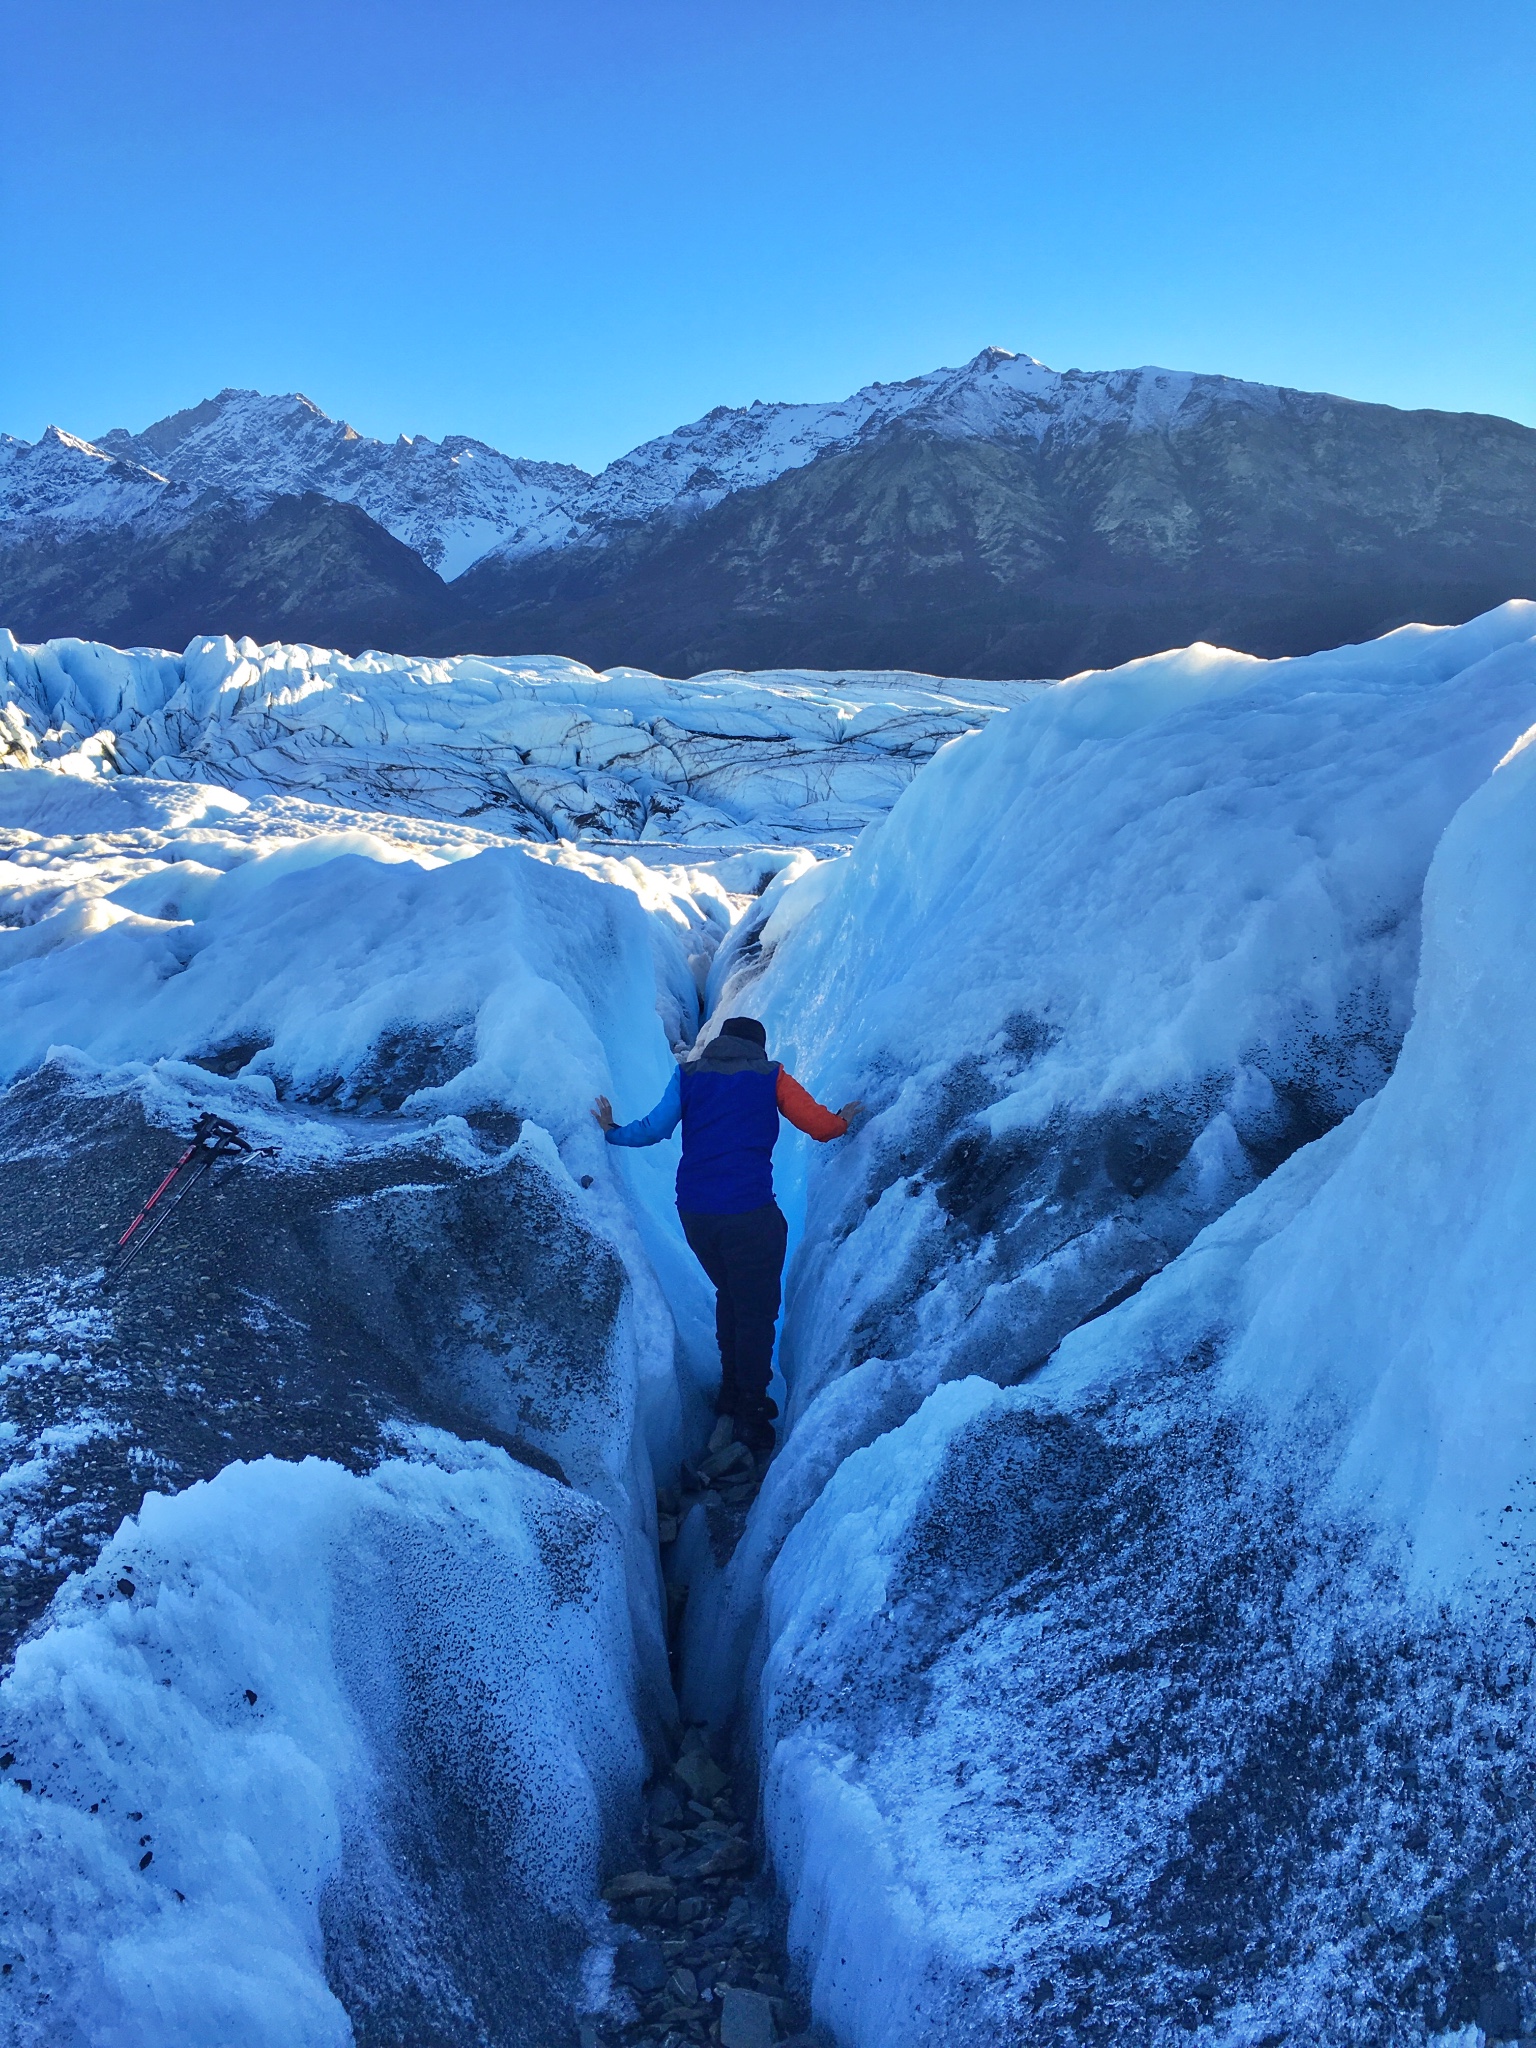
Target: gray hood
728,1054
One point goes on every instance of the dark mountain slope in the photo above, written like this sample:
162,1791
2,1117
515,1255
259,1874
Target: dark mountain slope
1013,523
1279,531
302,568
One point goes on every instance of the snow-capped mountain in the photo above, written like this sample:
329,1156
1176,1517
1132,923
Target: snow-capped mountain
998,519
997,396
449,500
734,448
58,484
457,501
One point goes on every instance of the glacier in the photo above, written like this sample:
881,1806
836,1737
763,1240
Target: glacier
390,1656
542,748
250,1707
1132,1638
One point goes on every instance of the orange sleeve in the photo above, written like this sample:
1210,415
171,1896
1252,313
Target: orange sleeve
806,1113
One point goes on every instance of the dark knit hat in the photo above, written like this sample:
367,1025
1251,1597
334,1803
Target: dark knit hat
745,1027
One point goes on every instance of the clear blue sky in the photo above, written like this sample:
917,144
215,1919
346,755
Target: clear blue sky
565,228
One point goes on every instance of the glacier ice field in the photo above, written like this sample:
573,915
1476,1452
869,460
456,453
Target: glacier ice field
1132,1639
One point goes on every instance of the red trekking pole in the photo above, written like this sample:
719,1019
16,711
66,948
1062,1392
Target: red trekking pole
212,1140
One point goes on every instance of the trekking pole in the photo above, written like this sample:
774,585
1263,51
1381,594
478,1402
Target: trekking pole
213,1139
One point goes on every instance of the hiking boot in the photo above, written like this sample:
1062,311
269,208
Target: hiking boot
754,1428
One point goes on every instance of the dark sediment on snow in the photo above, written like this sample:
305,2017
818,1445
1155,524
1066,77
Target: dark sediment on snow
1292,1794
285,1311
324,1308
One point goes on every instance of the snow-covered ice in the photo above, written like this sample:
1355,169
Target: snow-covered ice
412,1018
542,747
232,1745
1158,1670
1135,1630
1182,901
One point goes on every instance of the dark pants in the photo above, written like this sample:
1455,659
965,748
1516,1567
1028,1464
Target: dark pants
744,1257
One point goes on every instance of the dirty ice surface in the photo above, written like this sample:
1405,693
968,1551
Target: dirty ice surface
1137,1626
1134,1632
385,1410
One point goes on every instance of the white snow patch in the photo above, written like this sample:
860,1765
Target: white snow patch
200,1760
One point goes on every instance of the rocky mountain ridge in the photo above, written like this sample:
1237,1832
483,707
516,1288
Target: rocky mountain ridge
1001,518
446,500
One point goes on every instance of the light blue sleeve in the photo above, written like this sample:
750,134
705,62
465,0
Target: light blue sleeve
661,1123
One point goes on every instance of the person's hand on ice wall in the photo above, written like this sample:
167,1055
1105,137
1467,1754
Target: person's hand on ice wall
602,1109
850,1110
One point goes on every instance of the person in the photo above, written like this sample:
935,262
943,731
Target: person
729,1097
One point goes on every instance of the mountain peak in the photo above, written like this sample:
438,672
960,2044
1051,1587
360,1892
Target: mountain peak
161,436
993,358
53,442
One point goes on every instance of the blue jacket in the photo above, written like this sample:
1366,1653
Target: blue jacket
727,1102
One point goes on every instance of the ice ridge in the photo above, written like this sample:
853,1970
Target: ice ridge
544,748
